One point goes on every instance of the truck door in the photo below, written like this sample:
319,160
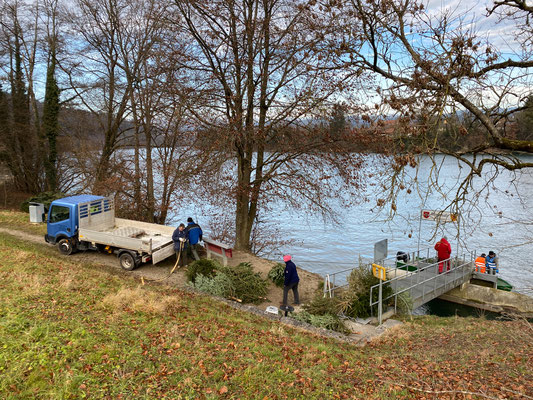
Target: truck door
59,221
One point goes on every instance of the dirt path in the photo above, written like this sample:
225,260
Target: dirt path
309,282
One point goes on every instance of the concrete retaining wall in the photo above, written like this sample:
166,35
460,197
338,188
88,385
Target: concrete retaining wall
490,299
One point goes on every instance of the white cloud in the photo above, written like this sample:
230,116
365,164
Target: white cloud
474,15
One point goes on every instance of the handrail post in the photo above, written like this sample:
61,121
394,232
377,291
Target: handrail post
456,268
371,302
380,306
436,279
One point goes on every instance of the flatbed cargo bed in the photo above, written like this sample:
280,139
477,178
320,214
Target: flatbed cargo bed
98,225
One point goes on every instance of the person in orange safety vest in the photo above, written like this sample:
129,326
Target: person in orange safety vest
480,264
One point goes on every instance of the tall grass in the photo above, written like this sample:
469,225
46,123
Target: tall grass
20,221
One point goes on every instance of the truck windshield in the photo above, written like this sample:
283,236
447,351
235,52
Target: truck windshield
59,213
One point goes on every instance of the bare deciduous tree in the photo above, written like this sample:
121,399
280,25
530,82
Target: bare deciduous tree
267,71
50,117
96,75
433,66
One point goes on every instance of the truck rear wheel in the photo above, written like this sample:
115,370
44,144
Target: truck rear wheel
65,247
127,261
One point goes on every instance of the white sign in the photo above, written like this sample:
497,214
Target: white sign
439,216
380,250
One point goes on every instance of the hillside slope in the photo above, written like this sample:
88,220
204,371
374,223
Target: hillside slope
73,330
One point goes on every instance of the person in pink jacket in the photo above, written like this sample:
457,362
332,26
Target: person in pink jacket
444,250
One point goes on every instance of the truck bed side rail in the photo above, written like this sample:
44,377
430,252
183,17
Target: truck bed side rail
97,214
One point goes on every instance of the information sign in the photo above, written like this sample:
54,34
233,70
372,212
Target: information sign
439,216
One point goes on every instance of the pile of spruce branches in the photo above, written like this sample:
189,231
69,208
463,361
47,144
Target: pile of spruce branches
238,283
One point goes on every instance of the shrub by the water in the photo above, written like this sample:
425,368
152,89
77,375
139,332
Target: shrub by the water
355,301
239,282
205,267
321,305
322,312
404,304
277,274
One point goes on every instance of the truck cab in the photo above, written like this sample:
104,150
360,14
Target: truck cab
62,222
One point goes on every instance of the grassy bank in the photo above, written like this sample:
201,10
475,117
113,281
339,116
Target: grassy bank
74,331
20,221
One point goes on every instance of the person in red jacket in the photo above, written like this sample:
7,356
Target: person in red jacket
444,250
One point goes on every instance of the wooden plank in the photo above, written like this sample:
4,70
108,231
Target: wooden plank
217,244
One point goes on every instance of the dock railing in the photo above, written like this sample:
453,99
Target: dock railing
425,283
339,279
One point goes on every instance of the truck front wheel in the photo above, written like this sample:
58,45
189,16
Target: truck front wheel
127,261
65,247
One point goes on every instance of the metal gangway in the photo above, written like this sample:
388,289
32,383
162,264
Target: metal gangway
415,281
421,282
339,279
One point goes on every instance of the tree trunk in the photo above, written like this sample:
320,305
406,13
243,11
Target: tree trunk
150,197
137,178
243,222
137,198
102,169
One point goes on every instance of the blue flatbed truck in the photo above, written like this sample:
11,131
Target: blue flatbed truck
87,222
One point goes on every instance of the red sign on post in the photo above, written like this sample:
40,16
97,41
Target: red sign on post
439,216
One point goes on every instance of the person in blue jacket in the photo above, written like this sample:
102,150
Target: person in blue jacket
291,280
180,244
492,263
194,235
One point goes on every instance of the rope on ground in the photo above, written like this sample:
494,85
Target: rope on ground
171,272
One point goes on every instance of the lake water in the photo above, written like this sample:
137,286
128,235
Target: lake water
501,220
